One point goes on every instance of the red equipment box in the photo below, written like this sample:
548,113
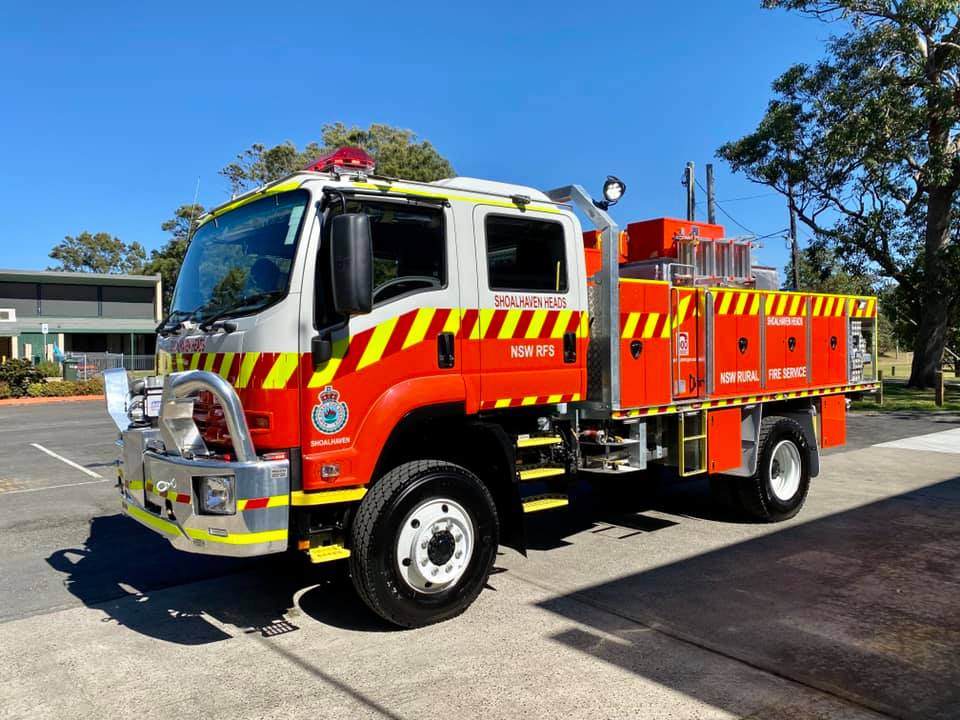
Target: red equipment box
657,238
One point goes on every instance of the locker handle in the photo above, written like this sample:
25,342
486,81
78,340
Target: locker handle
445,357
636,347
742,344
569,347
792,343
833,342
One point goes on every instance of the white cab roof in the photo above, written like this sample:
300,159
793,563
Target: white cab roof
490,187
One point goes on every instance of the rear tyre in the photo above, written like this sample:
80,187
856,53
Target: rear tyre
778,488
423,543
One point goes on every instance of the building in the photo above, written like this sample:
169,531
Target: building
82,312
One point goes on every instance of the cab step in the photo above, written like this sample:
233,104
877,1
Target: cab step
536,503
328,553
540,473
528,441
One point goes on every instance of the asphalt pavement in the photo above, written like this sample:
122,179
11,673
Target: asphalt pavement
640,601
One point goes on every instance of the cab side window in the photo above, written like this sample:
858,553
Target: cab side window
525,255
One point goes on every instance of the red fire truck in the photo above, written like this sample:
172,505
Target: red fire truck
394,373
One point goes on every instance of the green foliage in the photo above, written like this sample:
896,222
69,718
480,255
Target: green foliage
65,388
822,271
5,391
49,368
167,260
864,141
99,253
18,375
398,153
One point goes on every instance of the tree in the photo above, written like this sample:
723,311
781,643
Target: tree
99,253
167,260
398,153
822,271
866,144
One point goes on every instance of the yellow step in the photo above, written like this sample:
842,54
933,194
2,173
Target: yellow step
544,502
327,553
540,473
529,442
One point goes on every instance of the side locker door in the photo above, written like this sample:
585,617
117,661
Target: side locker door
686,306
531,320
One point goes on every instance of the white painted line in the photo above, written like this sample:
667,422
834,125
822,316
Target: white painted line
69,462
947,441
54,487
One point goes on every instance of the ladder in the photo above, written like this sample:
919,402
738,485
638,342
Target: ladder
692,443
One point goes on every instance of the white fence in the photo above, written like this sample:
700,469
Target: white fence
90,365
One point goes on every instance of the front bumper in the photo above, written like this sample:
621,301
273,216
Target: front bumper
160,479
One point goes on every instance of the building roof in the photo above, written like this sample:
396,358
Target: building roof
77,278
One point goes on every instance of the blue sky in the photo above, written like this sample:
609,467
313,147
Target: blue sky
110,114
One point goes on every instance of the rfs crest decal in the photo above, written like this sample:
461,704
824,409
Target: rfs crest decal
330,415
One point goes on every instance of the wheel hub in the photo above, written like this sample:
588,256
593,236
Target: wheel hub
785,470
434,545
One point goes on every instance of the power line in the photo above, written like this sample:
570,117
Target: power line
749,197
732,218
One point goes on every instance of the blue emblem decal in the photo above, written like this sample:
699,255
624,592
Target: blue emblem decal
330,415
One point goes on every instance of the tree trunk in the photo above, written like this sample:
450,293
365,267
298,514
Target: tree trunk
934,293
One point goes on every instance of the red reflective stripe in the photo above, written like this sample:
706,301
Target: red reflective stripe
256,503
523,324
181,498
395,343
468,321
496,322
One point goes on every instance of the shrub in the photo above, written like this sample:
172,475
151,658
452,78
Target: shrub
65,388
5,391
50,368
18,375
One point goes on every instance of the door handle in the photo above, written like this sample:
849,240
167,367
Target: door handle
445,357
570,347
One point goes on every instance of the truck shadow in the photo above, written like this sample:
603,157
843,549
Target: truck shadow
121,569
863,605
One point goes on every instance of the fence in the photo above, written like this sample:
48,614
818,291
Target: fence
90,365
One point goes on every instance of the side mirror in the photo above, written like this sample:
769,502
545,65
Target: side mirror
351,263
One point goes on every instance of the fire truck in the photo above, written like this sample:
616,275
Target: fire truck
395,373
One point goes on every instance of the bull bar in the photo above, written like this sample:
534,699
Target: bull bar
164,466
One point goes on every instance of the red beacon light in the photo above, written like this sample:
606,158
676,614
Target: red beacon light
347,158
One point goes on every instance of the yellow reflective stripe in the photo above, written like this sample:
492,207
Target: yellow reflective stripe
870,303
281,371
650,327
480,201
768,305
755,304
378,343
795,305
324,375
452,325
828,308
246,368
503,402
555,398
818,305
630,325
194,360
483,324
681,312
238,539
418,330
272,501
509,324
741,303
584,327
529,400
725,303
225,364
536,323
164,526
838,310
781,305
563,319
217,212
299,498
135,485
575,397
208,363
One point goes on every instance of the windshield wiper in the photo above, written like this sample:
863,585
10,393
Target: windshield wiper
251,302
164,327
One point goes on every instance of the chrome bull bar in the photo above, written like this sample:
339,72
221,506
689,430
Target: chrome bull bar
164,469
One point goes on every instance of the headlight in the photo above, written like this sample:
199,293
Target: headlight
216,496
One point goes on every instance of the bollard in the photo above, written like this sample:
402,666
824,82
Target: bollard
893,371
880,388
938,388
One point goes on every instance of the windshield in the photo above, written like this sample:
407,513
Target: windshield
240,261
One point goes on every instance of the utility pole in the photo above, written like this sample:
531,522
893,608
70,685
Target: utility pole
793,240
689,181
711,197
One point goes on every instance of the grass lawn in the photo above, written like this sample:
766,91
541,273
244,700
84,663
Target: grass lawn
899,367
897,396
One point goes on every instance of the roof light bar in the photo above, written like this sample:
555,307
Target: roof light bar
346,158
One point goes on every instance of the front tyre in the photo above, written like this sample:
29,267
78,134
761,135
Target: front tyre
423,542
779,486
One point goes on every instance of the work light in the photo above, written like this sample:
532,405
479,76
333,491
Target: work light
613,190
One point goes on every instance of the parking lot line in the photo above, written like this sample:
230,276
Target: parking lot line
947,441
69,462
54,487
